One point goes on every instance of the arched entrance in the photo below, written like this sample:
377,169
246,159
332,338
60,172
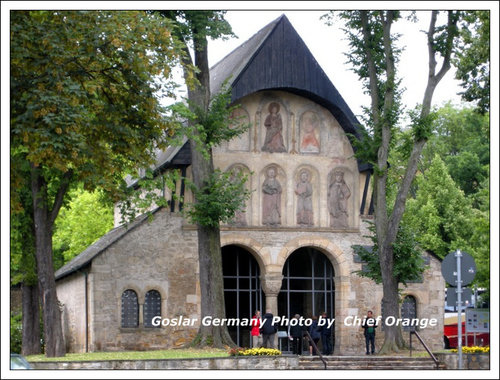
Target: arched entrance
242,290
308,286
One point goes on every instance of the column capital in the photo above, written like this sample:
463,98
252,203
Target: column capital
271,283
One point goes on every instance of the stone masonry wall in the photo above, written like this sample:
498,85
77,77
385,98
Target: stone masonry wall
157,255
71,295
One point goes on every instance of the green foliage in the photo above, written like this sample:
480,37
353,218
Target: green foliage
217,201
16,332
148,193
461,139
200,24
473,58
408,261
84,220
85,91
209,128
440,212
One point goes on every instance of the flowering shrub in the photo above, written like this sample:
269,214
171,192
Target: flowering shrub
474,350
238,351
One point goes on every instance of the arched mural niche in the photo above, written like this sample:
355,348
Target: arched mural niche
274,125
241,218
306,199
340,195
273,196
240,143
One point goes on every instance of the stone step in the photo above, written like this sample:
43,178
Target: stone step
368,363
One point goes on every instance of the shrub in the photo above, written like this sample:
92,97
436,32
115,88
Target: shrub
474,350
238,351
16,333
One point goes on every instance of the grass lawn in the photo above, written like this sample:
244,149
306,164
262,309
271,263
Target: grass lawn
135,355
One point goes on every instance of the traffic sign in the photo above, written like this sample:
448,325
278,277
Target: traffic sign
467,268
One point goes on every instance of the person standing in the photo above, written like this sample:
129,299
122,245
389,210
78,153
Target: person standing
268,330
296,334
314,332
369,325
326,336
255,332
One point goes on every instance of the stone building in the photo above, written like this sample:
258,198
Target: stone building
289,251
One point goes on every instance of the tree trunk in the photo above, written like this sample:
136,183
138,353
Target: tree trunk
31,320
393,339
209,251
53,336
212,289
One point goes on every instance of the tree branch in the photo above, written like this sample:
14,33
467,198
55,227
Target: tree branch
61,192
372,72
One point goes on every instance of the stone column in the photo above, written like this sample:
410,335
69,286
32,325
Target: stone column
271,285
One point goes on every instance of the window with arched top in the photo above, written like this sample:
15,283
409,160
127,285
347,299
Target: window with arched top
152,307
409,311
130,309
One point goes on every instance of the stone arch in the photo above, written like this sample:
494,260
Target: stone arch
252,246
331,250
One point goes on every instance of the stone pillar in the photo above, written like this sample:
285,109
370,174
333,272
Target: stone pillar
271,285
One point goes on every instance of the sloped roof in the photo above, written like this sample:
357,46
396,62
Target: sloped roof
276,58
84,258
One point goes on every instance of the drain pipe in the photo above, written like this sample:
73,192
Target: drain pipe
85,273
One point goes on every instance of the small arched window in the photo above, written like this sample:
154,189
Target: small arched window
130,309
152,307
409,310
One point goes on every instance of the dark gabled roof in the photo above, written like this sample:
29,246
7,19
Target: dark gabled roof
276,58
84,258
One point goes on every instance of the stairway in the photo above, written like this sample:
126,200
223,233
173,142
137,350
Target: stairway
368,363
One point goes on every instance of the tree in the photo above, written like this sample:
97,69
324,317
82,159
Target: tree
440,212
473,58
208,122
84,220
23,262
374,58
408,260
461,139
85,108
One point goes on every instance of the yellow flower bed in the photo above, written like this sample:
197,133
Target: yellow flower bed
254,352
474,350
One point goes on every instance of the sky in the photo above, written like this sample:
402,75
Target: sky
328,45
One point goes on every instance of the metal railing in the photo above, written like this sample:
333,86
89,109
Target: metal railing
425,346
315,347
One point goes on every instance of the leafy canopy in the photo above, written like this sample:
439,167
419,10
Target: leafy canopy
86,89
408,260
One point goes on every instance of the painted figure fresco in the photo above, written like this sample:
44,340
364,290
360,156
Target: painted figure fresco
309,127
338,194
242,141
274,130
304,193
271,201
240,216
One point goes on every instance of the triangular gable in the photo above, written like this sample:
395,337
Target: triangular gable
276,58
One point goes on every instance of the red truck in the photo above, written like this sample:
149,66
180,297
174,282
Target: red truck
451,334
